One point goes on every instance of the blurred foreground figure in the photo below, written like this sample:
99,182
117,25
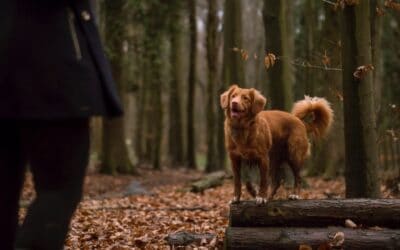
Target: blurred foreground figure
53,77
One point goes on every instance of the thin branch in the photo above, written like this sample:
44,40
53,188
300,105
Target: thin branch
315,66
329,2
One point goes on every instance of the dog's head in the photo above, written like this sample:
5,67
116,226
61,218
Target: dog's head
240,103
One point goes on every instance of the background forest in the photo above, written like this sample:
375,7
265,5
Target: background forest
172,59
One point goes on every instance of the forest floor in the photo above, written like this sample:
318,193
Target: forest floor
110,218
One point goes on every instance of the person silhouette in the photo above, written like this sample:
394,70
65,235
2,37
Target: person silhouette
54,76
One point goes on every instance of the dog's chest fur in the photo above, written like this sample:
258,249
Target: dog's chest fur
241,143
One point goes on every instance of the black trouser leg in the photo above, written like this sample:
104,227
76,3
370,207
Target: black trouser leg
58,156
11,179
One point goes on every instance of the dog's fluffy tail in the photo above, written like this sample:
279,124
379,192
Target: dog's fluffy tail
316,114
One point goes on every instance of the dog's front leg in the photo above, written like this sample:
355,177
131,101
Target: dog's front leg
236,161
262,196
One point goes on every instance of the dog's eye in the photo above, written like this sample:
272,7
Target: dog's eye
246,98
233,95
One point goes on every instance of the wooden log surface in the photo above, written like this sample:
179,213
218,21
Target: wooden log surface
184,238
311,238
315,213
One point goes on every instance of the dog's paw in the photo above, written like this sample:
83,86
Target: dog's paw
261,200
235,200
294,197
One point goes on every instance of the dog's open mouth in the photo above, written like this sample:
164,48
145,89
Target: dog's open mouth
236,112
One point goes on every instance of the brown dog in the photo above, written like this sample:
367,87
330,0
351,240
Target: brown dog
270,138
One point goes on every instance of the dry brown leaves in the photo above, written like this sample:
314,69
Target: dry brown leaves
269,60
243,53
342,3
107,220
145,221
392,5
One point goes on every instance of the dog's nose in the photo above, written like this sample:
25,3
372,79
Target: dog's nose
235,103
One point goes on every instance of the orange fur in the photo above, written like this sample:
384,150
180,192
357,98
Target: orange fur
270,138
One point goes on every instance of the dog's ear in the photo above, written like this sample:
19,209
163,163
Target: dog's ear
224,98
259,102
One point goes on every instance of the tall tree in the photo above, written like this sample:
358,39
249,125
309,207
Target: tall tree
310,28
359,111
328,160
278,41
191,151
233,71
233,68
376,42
152,16
114,154
212,55
175,143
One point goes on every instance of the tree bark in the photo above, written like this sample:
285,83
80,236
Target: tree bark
175,144
115,154
191,151
233,71
277,41
154,30
359,110
309,213
212,62
316,238
233,68
310,25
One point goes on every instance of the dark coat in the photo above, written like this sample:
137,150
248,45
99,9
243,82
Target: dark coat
52,64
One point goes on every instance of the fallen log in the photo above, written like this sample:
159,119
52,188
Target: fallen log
314,213
310,238
184,238
208,181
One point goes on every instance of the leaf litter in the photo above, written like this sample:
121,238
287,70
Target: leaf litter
108,219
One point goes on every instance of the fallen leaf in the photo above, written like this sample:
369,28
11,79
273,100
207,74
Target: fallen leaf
350,224
337,240
361,71
305,247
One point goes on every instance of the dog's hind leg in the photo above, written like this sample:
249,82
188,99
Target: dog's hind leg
297,182
298,152
251,189
275,177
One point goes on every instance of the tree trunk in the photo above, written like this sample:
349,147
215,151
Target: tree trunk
115,155
310,25
175,144
233,71
277,41
154,28
233,65
359,110
191,151
140,131
377,58
212,62
310,213
310,238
